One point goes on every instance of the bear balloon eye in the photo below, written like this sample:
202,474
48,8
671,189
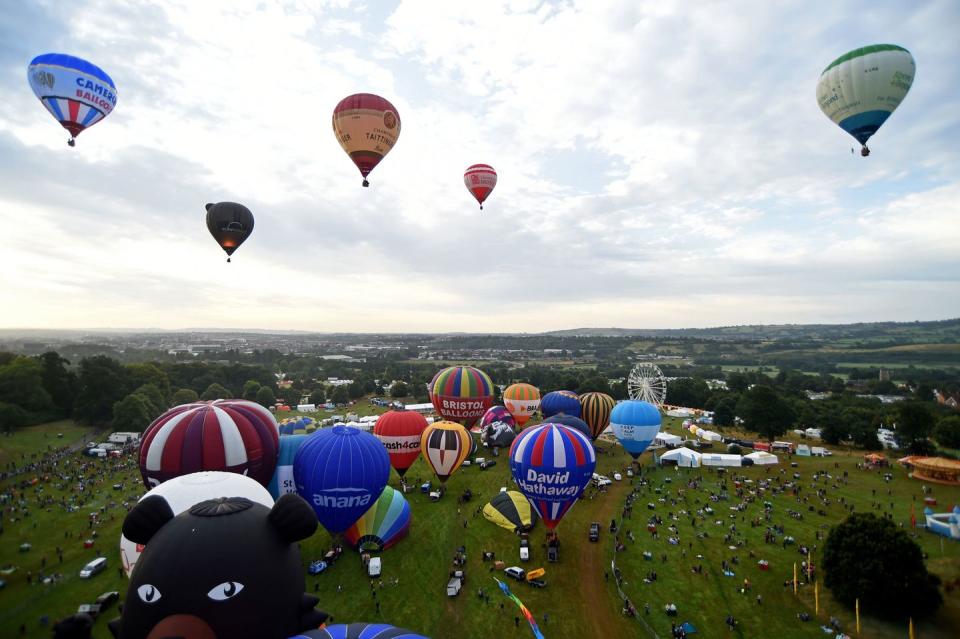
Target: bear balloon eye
224,591
148,594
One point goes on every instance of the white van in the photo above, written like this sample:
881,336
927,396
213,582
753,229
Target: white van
92,568
373,568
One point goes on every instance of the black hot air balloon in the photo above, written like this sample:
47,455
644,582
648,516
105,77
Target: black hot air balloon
230,224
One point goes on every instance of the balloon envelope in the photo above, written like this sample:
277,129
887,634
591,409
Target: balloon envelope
341,472
480,180
595,409
230,224
282,480
400,431
386,523
360,631
561,401
233,435
861,89
367,126
635,423
511,510
183,492
572,422
77,93
462,394
552,464
444,446
496,414
522,400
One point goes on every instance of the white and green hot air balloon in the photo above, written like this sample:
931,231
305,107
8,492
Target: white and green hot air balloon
860,89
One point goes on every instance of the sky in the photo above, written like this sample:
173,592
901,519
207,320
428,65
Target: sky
661,165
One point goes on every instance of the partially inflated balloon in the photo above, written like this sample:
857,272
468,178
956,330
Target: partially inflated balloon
595,411
497,414
77,93
860,89
444,446
480,180
386,523
399,431
561,401
522,400
572,422
360,631
367,126
635,423
512,511
230,224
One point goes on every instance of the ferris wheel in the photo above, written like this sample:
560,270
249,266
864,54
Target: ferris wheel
646,382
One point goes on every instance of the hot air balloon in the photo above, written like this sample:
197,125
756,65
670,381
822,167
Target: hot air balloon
860,89
462,394
480,179
230,224
282,480
512,511
572,422
75,92
183,492
400,431
498,435
595,410
552,464
444,445
561,401
497,414
522,400
386,523
227,434
341,471
367,126
360,631
635,423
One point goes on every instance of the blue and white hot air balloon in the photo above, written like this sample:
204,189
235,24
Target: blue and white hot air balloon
75,92
635,423
341,472
282,480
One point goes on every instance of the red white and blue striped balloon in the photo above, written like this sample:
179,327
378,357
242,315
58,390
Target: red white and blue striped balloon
552,464
230,435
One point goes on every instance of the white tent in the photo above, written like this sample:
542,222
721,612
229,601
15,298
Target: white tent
683,457
761,458
710,436
719,459
668,440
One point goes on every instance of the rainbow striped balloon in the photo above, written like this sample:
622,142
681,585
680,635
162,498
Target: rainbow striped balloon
595,409
462,394
386,523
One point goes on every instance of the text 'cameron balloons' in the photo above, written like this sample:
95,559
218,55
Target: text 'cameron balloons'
572,422
480,180
444,446
341,472
859,90
183,492
635,423
595,409
561,401
552,464
75,92
367,126
386,523
462,394
282,480
233,435
230,224
522,400
399,431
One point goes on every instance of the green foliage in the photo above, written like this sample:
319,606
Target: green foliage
184,396
915,422
102,382
148,373
21,383
339,395
250,389
265,396
318,396
399,389
724,411
133,413
154,397
58,381
947,431
12,416
764,412
870,558
215,391
595,384
689,391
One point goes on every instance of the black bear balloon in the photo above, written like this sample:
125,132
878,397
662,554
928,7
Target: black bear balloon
227,567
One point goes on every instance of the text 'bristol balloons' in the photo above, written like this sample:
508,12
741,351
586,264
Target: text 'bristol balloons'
522,400
561,401
367,126
444,446
860,89
230,224
552,464
635,423
233,435
400,431
480,180
462,394
386,523
185,491
282,480
75,92
595,410
341,471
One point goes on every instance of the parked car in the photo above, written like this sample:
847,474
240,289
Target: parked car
524,550
96,566
91,609
106,599
374,568
595,531
516,572
454,586
537,583
317,567
617,476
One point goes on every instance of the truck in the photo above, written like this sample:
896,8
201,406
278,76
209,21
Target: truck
524,548
454,586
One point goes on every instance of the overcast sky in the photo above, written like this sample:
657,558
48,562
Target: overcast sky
661,164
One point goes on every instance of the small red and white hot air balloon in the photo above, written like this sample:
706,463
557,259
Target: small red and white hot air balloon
480,180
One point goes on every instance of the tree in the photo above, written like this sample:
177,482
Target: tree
764,412
924,392
21,384
154,397
132,413
101,383
947,432
870,558
250,389
215,391
148,373
724,411
318,396
12,416
184,396
399,389
692,392
594,384
58,381
737,382
265,397
914,422
338,395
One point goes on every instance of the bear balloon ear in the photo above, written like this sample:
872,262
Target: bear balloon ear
209,206
146,518
293,518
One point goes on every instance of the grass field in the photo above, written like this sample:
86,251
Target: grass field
578,600
37,439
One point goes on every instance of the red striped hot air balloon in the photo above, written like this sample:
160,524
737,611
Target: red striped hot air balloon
480,179
231,435
367,126
522,400
462,394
